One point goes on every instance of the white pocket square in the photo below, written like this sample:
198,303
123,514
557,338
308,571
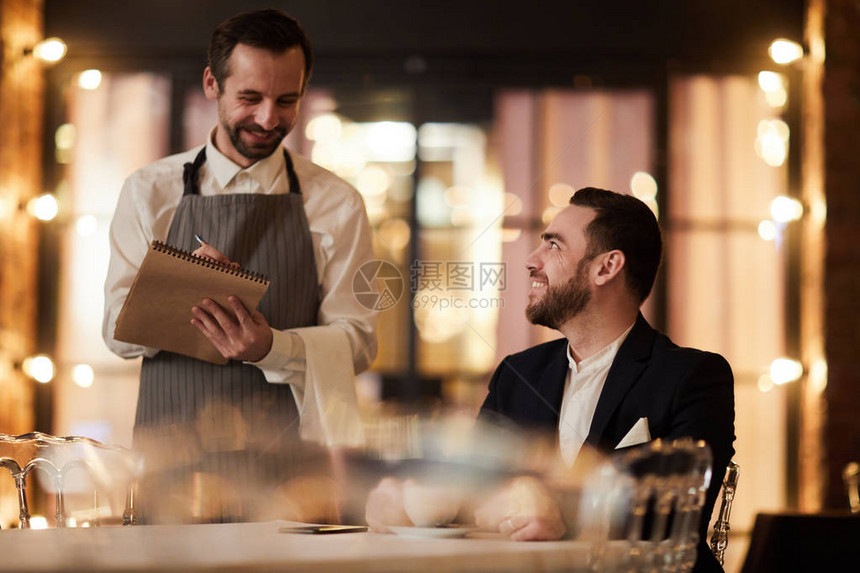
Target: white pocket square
638,434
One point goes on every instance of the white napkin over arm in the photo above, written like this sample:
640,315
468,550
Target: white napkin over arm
327,402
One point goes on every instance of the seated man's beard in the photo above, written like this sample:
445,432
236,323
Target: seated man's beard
560,303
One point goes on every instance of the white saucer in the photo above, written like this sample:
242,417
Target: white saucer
443,532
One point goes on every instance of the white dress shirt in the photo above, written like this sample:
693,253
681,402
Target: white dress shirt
582,390
341,238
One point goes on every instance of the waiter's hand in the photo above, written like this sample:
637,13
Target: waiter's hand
209,252
241,335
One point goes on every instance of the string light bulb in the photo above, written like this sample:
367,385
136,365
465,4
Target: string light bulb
784,51
785,370
90,79
40,368
49,50
770,81
44,207
785,209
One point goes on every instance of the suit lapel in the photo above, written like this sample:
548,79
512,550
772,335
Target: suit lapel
551,388
628,365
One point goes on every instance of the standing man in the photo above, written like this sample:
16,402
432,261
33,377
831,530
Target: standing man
612,381
257,205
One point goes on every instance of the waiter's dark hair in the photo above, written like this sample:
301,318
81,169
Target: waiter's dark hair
625,223
269,29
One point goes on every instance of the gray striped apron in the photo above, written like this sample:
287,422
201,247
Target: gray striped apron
234,403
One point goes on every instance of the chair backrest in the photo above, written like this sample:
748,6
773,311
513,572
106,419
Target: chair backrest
652,497
72,466
851,479
720,535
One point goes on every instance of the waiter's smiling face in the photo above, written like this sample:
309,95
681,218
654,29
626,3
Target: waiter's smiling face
258,102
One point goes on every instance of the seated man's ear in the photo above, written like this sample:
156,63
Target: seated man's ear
609,265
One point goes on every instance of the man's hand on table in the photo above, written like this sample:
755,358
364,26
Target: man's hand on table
385,506
524,510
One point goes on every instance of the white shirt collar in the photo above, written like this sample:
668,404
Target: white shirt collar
599,359
223,169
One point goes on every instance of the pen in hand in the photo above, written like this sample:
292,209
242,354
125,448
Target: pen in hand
211,253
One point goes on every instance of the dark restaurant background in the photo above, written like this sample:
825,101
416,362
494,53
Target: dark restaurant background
466,125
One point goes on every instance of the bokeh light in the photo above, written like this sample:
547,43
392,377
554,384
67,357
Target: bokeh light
50,50
560,194
44,207
785,209
83,375
89,79
785,370
784,51
767,230
40,368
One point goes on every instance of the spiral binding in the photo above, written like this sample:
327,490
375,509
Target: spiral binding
160,247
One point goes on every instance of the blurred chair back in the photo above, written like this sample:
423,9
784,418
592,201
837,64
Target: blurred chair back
851,479
652,497
720,536
72,467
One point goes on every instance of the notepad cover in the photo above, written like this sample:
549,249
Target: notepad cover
157,310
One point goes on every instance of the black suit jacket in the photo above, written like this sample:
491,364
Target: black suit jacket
682,391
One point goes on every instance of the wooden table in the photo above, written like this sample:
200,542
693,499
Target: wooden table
259,547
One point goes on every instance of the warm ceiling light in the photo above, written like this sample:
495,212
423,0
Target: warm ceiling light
50,50
784,51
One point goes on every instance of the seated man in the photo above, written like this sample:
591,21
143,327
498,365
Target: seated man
612,381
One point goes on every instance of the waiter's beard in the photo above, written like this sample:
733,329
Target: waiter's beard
254,151
561,303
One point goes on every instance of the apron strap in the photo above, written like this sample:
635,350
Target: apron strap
191,170
291,174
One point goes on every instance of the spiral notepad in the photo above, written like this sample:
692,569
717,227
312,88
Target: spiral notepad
157,310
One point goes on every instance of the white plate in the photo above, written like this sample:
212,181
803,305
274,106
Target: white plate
449,532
